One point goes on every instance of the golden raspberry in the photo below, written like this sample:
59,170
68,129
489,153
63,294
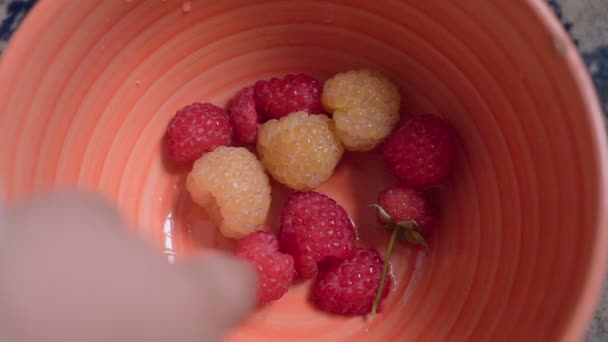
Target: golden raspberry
231,185
299,150
365,107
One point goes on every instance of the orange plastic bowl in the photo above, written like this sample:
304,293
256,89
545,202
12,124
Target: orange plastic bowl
87,88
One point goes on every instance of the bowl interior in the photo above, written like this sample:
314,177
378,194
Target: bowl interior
87,89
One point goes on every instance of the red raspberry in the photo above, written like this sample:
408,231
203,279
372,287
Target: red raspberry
244,116
195,130
292,93
350,286
421,152
405,204
275,269
407,213
314,227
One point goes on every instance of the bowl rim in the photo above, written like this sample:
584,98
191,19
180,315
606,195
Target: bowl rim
595,273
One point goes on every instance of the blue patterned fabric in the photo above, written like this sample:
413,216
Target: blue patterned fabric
557,8
11,14
596,60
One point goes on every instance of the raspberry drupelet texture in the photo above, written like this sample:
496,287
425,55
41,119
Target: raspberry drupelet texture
406,204
292,93
421,152
349,287
315,227
365,107
196,129
275,270
231,185
243,116
299,150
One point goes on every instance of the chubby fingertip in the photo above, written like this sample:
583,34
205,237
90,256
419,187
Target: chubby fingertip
237,278
230,286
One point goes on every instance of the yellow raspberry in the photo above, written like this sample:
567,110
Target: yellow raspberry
231,185
365,107
299,150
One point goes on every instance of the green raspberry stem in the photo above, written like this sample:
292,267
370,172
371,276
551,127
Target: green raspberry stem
389,252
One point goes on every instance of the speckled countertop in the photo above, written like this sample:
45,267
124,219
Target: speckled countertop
586,20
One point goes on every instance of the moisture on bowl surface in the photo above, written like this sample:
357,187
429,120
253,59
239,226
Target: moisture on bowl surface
522,250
